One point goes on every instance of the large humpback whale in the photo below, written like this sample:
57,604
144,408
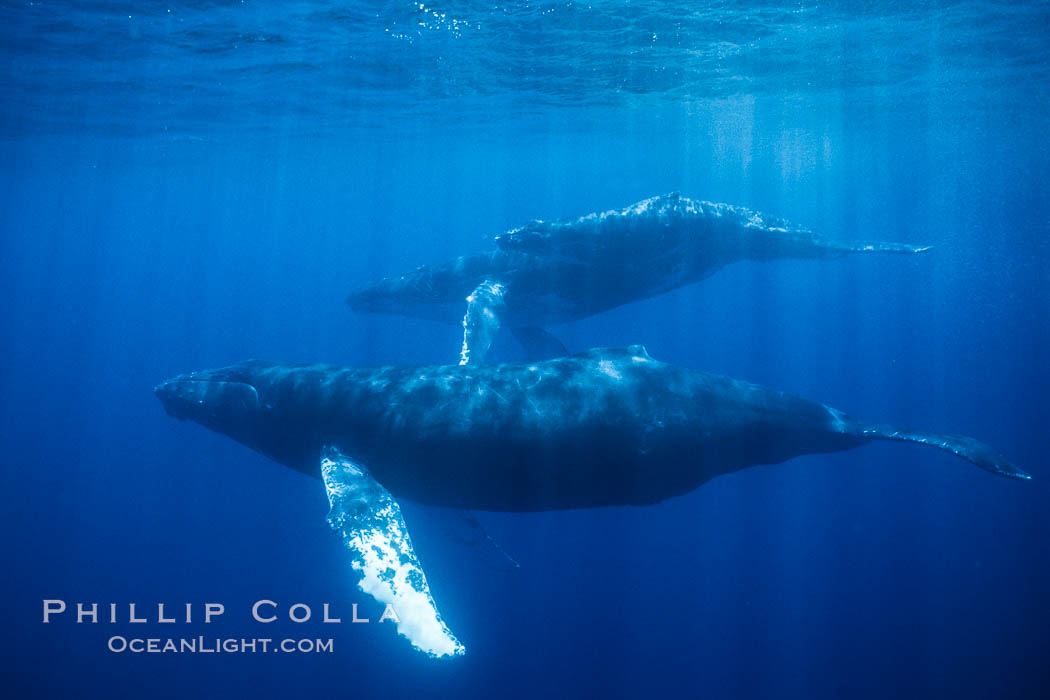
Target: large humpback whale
606,427
549,272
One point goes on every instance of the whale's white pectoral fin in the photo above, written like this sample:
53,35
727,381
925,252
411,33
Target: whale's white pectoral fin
369,520
482,320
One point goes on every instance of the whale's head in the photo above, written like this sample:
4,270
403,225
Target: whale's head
426,292
387,296
206,400
247,402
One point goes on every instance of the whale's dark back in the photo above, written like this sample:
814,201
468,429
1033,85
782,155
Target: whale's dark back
568,269
606,427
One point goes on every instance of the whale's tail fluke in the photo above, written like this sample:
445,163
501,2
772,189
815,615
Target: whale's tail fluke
804,244
838,248
880,247
969,449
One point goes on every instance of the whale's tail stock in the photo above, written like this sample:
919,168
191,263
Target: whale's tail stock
969,449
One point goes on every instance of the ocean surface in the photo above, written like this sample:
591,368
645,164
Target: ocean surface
190,184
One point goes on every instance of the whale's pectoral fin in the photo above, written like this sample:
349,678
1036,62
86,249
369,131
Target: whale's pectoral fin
369,520
462,527
482,321
538,343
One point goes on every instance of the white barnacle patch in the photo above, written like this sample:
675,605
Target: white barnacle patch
370,523
607,368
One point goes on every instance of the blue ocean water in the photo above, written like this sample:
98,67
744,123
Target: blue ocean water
191,184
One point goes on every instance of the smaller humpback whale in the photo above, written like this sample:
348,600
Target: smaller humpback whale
601,428
549,272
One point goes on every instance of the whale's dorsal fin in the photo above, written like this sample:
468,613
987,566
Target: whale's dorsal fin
482,321
638,351
369,520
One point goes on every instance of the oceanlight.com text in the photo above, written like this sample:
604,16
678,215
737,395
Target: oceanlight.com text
217,645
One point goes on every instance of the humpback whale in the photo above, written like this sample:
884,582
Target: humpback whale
601,428
549,272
